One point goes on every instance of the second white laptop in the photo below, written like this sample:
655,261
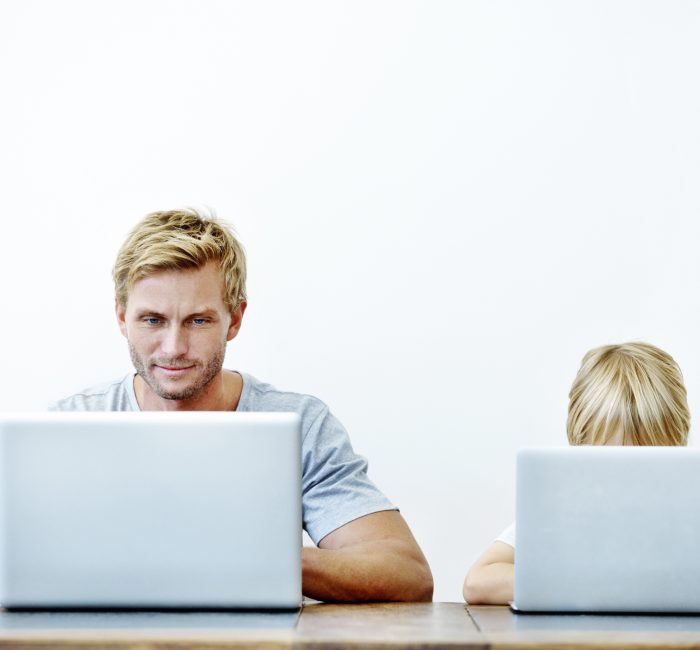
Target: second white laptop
608,529
150,510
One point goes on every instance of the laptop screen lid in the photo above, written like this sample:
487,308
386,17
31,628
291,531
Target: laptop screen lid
608,529
150,510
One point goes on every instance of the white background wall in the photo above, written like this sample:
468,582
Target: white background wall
445,204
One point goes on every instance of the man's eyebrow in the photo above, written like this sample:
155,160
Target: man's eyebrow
208,312
150,313
205,312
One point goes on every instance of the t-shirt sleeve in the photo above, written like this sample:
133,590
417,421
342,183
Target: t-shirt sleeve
113,396
508,536
335,485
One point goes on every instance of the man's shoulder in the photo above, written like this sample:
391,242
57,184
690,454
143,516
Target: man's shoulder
261,396
109,396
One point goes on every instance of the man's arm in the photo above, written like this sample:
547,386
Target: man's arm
373,558
490,580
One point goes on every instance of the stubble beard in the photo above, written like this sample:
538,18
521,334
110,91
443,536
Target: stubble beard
207,373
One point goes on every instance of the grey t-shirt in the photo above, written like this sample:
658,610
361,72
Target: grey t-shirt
335,485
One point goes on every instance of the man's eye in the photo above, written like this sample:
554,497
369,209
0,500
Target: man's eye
199,321
152,321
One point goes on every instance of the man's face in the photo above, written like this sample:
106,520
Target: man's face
177,325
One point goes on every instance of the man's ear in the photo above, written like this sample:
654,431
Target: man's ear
236,319
120,311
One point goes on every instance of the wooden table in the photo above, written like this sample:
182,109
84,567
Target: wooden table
318,627
436,626
501,628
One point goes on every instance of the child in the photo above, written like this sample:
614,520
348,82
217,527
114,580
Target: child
628,394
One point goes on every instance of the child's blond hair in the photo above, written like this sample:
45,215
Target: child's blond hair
632,389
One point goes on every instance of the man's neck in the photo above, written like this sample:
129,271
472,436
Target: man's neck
221,394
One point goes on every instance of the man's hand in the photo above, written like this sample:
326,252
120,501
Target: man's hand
373,558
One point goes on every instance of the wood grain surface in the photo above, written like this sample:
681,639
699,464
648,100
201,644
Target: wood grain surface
383,626
387,625
503,629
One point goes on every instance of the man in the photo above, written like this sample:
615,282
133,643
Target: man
180,297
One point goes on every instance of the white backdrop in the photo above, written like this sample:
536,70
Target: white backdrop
444,204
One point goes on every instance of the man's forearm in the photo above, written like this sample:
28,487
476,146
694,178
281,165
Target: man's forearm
385,570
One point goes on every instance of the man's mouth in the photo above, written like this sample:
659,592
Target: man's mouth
173,371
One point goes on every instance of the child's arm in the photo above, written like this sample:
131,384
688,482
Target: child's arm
490,580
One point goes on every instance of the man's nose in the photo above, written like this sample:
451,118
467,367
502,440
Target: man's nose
174,343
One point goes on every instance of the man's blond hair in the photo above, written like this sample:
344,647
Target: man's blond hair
633,388
180,239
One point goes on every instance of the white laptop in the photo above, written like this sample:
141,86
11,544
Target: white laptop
608,529
150,510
